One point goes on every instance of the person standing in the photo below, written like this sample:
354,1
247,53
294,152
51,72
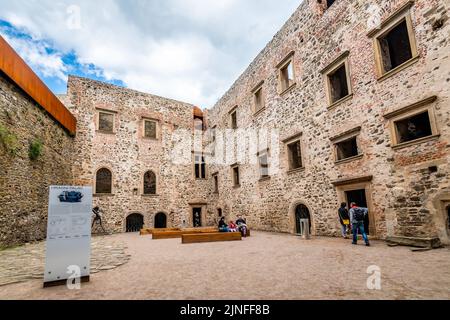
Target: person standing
344,219
357,216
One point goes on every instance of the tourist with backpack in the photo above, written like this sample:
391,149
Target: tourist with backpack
344,218
357,216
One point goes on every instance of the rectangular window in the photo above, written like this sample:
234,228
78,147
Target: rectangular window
236,176
106,122
263,159
395,47
258,98
394,42
337,79
150,129
347,149
416,122
233,116
200,167
295,155
414,127
338,84
216,183
287,76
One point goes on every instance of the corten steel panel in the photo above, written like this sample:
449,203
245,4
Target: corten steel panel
19,72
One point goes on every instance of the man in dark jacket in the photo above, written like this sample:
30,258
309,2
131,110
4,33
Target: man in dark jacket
344,219
357,216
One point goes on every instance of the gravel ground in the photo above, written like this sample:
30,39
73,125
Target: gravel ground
265,266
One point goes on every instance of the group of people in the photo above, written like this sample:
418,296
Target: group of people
239,226
353,220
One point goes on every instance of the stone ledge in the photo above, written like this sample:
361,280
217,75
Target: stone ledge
433,243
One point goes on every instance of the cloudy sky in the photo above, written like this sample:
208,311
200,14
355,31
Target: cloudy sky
190,50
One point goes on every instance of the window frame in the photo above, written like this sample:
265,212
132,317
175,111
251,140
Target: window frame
342,60
289,59
258,88
97,121
260,154
236,184
202,158
97,194
216,188
156,121
289,141
348,135
234,126
426,105
402,14
156,184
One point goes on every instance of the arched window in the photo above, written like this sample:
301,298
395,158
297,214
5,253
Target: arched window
103,181
149,183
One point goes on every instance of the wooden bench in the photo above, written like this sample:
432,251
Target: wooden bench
145,232
159,235
211,237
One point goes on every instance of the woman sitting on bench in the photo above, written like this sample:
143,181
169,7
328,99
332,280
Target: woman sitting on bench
232,227
223,225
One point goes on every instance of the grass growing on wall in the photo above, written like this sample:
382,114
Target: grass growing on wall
35,150
8,140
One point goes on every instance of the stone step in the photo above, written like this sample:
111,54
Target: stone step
415,242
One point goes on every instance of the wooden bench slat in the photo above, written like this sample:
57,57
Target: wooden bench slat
158,235
211,237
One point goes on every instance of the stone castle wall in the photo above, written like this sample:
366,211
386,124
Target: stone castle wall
128,155
23,182
406,197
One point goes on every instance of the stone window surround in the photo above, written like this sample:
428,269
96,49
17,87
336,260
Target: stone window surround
341,60
158,128
402,14
349,134
284,63
203,155
236,185
290,140
231,112
255,90
97,120
409,111
215,176
98,195
259,155
157,184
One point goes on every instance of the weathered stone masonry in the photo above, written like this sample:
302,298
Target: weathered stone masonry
23,182
406,186
405,193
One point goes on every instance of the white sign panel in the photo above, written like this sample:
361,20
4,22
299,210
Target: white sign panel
68,233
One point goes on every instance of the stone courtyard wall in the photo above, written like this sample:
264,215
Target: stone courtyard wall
406,195
23,182
128,156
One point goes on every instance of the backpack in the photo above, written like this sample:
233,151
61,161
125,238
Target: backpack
358,214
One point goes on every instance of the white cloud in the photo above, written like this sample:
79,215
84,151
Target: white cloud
36,54
190,50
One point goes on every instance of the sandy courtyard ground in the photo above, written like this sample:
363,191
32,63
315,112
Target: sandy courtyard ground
265,266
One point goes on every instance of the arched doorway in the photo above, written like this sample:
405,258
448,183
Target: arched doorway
302,212
135,222
160,220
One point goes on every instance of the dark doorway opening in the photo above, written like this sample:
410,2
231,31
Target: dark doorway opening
359,197
220,213
197,217
302,212
135,222
160,220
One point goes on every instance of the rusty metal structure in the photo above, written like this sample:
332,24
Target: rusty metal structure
13,66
